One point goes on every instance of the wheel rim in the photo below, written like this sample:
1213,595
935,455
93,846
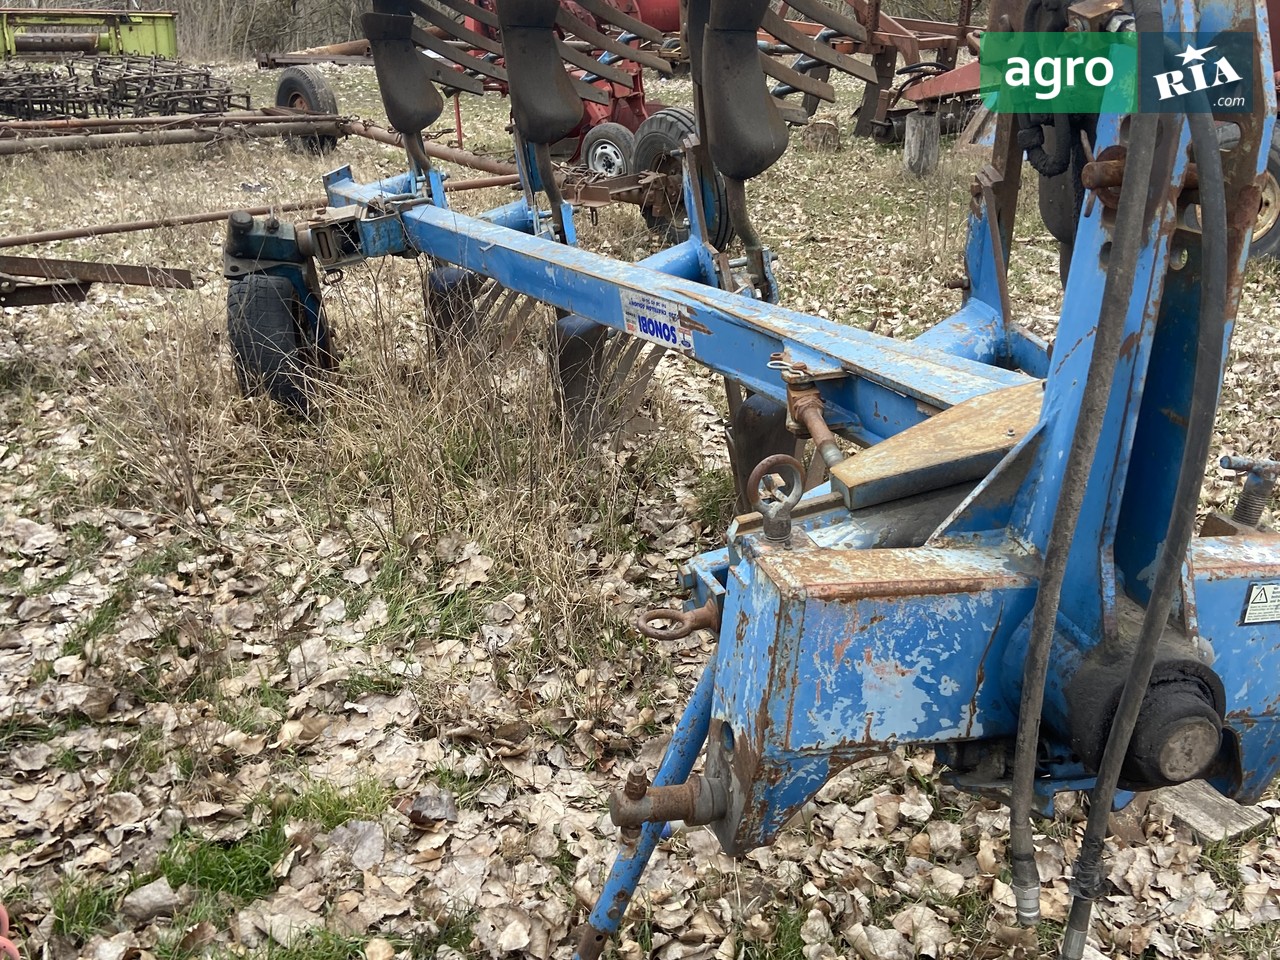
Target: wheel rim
606,157
298,102
1269,212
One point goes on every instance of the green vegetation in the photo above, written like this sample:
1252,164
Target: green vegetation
146,754
243,869
317,945
716,500
83,906
1222,861
16,730
786,942
374,680
332,806
100,622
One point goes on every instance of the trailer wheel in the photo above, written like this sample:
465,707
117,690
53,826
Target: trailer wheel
658,148
1266,229
609,149
276,346
305,88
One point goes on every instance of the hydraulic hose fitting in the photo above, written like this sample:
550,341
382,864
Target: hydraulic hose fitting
1026,879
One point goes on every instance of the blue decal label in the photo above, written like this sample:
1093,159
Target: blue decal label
1264,603
655,319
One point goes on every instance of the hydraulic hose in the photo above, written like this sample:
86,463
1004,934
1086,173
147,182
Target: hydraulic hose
1088,881
1121,273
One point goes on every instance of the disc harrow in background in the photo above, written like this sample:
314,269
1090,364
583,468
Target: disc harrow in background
111,86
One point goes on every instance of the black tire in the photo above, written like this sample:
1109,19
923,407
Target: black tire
609,149
677,57
658,148
305,88
273,347
1266,233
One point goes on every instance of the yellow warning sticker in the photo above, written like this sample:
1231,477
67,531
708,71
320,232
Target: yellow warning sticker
1264,603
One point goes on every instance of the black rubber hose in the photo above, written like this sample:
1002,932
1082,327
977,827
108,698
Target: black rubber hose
1089,883
1121,272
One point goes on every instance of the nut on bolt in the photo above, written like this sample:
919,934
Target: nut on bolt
637,782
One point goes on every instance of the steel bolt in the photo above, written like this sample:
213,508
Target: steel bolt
1261,477
637,783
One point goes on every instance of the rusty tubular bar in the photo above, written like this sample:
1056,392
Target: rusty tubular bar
96,272
463,158
107,229
176,121
206,127
807,410
64,143
698,800
480,183
76,233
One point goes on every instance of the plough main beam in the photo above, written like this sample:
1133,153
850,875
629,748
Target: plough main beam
873,386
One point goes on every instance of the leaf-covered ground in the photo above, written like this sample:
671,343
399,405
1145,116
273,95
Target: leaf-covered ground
360,688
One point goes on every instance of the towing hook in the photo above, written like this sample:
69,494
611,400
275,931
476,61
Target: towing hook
776,513
668,624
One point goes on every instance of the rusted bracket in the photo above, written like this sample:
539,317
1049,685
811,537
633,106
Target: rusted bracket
698,800
16,293
89,272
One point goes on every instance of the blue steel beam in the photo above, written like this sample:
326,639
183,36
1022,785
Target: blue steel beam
873,386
